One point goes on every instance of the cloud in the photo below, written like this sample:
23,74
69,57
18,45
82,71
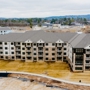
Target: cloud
43,8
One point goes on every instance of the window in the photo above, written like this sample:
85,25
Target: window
40,43
59,48
12,57
87,61
46,44
11,43
59,53
53,44
35,58
64,53
6,48
88,49
40,48
1,52
65,44
79,56
6,52
53,58
1,56
12,52
46,49
34,44
79,50
28,48
46,53
53,49
1,48
0,43
23,48
78,68
28,43
12,48
23,57
46,58
59,43
18,43
23,53
5,43
59,58
23,43
34,54
34,48
65,49
53,53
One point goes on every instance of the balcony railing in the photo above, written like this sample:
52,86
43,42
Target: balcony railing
18,54
28,54
59,55
40,50
18,49
87,52
59,50
87,58
40,55
87,64
28,50
18,44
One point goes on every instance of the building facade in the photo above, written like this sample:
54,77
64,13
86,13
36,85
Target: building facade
34,46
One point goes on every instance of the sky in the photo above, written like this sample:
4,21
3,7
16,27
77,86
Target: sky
43,8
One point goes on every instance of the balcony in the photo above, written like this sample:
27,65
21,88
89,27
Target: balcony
18,54
87,64
1,45
87,58
18,44
40,55
40,50
28,54
78,64
1,49
59,55
28,50
28,45
59,50
87,52
40,45
59,45
17,49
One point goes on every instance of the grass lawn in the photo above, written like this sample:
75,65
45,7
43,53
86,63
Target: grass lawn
57,69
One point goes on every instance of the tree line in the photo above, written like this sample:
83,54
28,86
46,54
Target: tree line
40,21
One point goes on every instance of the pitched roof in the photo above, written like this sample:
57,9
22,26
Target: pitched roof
84,41
34,36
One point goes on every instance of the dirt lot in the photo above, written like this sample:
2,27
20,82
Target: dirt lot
58,69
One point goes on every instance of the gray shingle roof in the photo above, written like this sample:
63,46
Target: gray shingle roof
34,36
84,41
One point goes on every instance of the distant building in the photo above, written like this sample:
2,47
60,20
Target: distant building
5,30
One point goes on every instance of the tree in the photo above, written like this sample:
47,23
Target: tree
30,22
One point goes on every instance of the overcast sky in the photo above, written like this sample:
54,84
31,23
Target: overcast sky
43,8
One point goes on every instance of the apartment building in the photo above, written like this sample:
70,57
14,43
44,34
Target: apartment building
35,46
5,30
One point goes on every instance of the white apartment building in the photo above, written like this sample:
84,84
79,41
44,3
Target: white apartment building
34,46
